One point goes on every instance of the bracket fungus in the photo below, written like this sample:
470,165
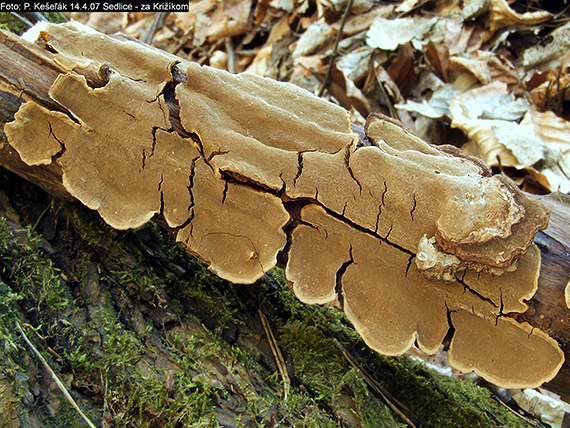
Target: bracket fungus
416,242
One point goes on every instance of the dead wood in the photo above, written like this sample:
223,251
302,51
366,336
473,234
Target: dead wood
28,72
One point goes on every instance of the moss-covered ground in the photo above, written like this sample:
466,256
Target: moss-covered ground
144,336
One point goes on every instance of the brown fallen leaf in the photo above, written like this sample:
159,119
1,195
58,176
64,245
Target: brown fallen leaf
501,15
554,133
487,115
487,67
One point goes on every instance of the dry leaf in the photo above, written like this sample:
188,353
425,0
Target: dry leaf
286,5
361,22
475,8
545,408
437,55
549,54
388,34
355,64
451,33
384,79
488,116
317,35
219,60
186,20
551,94
554,132
436,108
406,6
501,15
402,70
230,19
347,93
261,63
107,22
486,67
304,70
358,6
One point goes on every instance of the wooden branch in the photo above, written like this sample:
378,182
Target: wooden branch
547,310
29,72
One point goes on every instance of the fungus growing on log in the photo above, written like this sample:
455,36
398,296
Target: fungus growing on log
415,242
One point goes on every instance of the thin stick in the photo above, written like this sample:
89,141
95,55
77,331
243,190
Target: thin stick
335,48
23,20
374,384
158,21
183,41
59,383
231,55
277,354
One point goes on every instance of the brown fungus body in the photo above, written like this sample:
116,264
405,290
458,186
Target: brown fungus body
412,240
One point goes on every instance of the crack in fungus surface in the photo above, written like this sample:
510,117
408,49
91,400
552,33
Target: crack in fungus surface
250,172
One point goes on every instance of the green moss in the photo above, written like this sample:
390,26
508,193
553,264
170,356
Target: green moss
371,410
9,23
92,229
29,281
55,17
316,359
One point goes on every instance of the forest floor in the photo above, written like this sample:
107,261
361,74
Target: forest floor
139,331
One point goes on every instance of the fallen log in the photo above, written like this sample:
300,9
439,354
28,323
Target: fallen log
379,211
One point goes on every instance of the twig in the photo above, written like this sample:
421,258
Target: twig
335,48
59,383
42,214
529,421
390,104
183,41
277,354
231,55
158,21
377,386
23,20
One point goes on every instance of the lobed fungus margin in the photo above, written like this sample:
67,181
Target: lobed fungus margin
413,241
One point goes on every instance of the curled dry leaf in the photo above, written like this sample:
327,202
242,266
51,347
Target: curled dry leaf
228,20
246,169
438,105
552,92
501,15
554,133
487,115
541,405
265,61
487,67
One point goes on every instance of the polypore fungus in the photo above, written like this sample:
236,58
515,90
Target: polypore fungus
415,242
